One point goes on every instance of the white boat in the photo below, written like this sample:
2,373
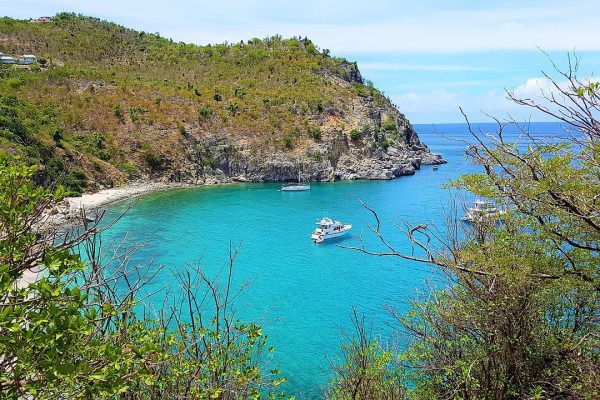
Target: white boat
295,186
329,229
483,211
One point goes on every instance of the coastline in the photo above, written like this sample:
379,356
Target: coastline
105,197
67,213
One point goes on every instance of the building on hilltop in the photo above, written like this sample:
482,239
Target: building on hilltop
40,19
26,59
7,60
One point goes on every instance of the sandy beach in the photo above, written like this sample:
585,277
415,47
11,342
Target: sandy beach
68,212
91,201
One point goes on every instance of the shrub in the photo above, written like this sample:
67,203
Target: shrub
389,126
16,82
204,112
118,111
58,135
385,143
181,128
154,161
210,161
314,155
129,169
288,141
315,133
355,135
135,112
233,108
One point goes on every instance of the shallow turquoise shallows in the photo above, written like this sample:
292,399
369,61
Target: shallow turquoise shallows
304,292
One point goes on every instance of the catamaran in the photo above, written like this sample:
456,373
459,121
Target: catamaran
483,211
329,229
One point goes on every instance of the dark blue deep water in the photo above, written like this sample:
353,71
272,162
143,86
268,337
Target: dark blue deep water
304,292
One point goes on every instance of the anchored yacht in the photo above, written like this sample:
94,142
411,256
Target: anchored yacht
329,229
295,186
483,211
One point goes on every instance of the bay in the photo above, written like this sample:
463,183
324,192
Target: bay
302,292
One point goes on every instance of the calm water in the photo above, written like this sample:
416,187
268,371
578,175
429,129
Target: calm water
305,291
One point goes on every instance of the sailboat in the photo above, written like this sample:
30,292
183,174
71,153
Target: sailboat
295,186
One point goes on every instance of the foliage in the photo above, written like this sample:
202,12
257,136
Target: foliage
355,135
366,370
315,133
152,158
73,332
518,318
389,126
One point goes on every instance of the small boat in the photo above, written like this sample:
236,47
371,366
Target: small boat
483,211
329,229
436,167
295,186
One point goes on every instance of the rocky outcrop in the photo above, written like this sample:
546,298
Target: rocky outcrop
338,159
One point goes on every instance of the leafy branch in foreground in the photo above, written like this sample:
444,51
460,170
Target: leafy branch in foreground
519,316
79,328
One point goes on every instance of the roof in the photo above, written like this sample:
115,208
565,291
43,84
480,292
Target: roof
28,56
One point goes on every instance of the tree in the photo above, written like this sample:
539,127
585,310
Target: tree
73,331
519,317
366,369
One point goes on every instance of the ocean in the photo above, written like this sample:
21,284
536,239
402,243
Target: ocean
302,292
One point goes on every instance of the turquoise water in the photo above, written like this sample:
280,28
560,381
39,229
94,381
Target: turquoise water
304,291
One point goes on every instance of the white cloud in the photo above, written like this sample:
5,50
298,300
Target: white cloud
443,105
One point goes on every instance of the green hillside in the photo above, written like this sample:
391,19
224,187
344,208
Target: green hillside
110,104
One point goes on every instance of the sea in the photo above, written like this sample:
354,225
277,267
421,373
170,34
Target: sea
304,293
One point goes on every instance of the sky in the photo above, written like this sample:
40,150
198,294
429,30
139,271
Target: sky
430,57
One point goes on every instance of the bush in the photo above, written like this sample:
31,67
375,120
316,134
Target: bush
315,133
58,135
389,126
204,112
209,161
16,82
233,108
355,135
118,111
385,144
129,169
154,161
314,155
135,112
288,141
181,128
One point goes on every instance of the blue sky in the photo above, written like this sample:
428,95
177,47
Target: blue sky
430,57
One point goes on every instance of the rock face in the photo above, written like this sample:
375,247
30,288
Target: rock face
336,159
370,139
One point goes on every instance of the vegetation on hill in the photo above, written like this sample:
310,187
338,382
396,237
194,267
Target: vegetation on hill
115,103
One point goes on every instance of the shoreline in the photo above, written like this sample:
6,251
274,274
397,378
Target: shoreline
105,197
67,213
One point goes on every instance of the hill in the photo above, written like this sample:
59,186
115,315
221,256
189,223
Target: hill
105,105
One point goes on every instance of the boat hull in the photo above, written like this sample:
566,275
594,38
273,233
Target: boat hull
320,237
299,188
